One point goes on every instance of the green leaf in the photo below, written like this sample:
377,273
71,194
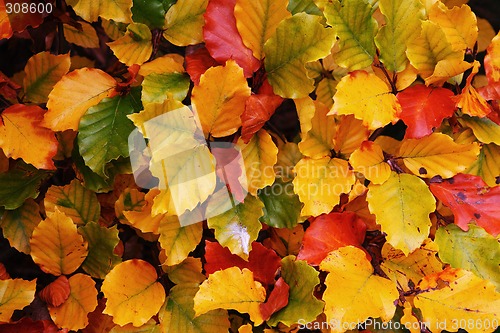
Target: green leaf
306,6
474,250
298,40
20,183
184,22
177,314
355,27
149,12
18,225
402,25
102,242
104,131
302,304
238,227
281,205
91,180
157,87
75,201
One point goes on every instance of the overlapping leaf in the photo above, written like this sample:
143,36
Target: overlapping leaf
135,47
184,22
15,295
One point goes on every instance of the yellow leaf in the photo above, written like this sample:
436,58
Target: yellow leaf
325,91
87,37
72,96
234,289
368,98
446,69
141,218
437,154
15,295
18,225
430,48
247,328
134,299
170,63
260,154
459,25
369,160
485,35
485,130
409,320
219,99
257,21
350,134
486,165
353,292
402,269
135,47
43,71
456,298
150,327
402,206
492,61
56,245
22,135
318,142
82,300
177,240
184,22
319,183
116,10
186,272
305,110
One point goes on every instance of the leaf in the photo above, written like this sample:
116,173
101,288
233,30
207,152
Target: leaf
277,300
177,314
470,199
257,21
158,87
177,240
184,22
149,12
135,299
169,63
474,250
56,245
139,211
22,135
486,166
135,47
263,262
15,295
75,201
18,225
57,292
402,25
5,26
239,226
491,62
82,300
102,243
349,136
459,25
331,232
448,70
317,142
17,20
72,96
285,241
149,327
451,299
319,183
437,154
281,205
258,110
43,71
231,288
407,271
288,156
469,100
186,272
363,294
222,38
302,304
298,40
424,108
355,28
368,98
117,10
104,131
325,91
219,99
198,60
370,161
485,130
84,37
18,184
431,47
259,156
406,223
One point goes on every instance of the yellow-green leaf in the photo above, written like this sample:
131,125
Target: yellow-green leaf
318,141
56,245
91,10
402,206
15,295
42,72
298,40
186,272
18,225
257,21
486,166
184,22
177,240
135,47
485,130
86,37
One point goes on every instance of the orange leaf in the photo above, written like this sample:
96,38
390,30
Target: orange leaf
22,136
277,300
258,109
471,102
57,292
492,60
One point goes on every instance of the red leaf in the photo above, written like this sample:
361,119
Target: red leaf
229,169
20,21
222,38
277,300
424,108
198,60
330,232
258,110
8,87
4,275
470,199
57,292
490,92
27,325
262,261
